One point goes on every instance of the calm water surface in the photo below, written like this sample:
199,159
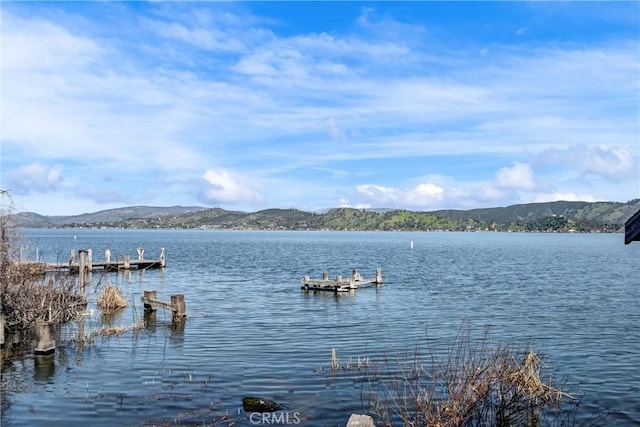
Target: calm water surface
252,331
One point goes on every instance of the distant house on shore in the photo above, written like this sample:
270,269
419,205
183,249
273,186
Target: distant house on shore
632,229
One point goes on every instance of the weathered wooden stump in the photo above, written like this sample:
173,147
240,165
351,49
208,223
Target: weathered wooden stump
163,259
148,301
45,338
179,307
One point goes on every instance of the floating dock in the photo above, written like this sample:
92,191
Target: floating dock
82,260
339,284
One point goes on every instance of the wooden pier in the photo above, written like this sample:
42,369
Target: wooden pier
339,284
82,260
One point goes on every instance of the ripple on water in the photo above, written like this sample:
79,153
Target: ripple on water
253,331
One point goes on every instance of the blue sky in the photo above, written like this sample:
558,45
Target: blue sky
311,105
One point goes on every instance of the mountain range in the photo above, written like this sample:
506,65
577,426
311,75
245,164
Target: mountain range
559,216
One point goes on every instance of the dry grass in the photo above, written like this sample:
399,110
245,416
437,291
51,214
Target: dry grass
111,299
468,385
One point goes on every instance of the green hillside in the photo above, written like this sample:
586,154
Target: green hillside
530,217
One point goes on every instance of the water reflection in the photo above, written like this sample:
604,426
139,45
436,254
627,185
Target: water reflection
150,319
176,335
44,368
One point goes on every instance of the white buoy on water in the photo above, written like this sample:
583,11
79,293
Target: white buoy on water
412,244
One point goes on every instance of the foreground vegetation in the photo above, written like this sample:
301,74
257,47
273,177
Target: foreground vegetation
467,384
26,297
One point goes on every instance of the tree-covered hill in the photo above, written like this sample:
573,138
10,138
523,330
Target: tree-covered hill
546,217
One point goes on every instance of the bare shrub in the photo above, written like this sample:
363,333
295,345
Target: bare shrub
26,296
468,385
26,300
111,299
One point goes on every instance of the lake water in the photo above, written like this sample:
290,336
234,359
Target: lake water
251,330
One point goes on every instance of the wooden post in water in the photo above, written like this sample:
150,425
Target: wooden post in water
72,257
353,279
149,306
89,265
81,268
378,276
179,307
162,258
325,275
1,330
127,262
140,253
45,338
107,255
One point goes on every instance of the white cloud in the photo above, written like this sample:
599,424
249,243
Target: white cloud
35,178
610,162
518,177
221,187
203,38
425,195
37,44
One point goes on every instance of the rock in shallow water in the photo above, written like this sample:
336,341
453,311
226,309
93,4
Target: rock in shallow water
259,404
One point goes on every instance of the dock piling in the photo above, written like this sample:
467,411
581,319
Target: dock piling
45,338
177,304
179,307
147,300
1,330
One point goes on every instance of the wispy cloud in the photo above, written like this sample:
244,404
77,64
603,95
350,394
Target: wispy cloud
253,107
35,178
